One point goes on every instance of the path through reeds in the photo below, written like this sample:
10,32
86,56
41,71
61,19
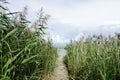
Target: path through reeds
60,72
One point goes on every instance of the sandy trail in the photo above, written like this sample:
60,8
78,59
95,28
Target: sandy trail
60,72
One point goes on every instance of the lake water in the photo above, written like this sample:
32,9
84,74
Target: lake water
62,52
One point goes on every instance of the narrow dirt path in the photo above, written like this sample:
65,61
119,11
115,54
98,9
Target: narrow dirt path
60,72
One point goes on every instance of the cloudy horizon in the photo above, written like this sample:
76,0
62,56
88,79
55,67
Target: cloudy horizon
71,19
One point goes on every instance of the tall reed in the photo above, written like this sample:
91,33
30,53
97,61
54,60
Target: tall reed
24,53
94,58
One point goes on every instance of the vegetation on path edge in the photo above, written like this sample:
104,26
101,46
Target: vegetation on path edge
24,53
94,58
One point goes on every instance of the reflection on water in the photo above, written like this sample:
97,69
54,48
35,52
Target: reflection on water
62,52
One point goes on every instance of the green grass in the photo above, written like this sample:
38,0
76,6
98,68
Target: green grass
94,58
24,53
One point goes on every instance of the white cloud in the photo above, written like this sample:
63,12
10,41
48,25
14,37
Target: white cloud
56,38
83,16
91,14
59,39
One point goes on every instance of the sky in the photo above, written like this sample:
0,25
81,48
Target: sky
71,19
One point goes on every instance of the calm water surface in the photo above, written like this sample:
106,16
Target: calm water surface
62,52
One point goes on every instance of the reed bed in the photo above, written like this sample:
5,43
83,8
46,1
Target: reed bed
24,53
94,58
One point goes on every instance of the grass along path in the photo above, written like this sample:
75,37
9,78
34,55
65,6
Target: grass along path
60,72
